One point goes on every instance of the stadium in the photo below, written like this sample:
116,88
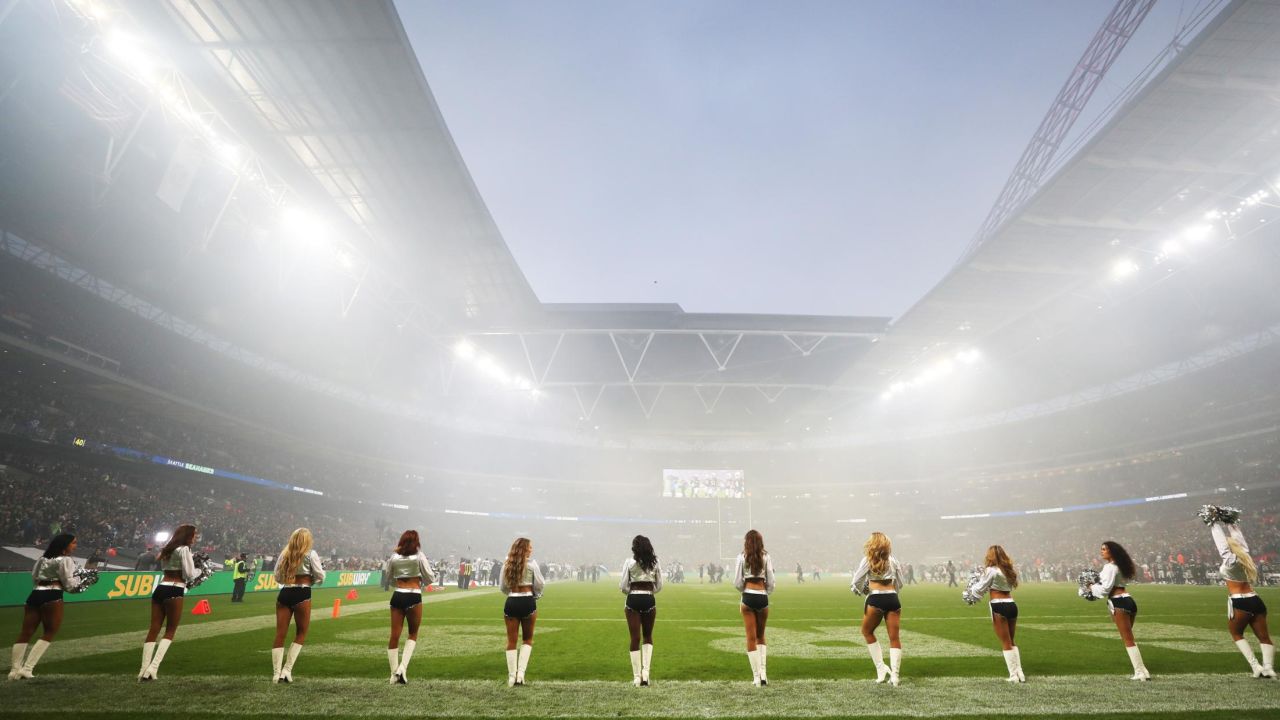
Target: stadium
252,282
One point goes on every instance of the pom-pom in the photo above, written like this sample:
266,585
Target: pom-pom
969,598
1211,514
204,567
1087,579
85,578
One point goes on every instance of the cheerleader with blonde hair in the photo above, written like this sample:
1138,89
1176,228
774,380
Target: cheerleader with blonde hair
879,577
1244,608
296,571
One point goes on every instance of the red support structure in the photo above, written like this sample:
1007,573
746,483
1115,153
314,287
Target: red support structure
1111,38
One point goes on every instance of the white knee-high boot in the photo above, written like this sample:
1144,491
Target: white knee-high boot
877,657
153,670
753,656
405,657
1011,662
15,664
522,663
764,664
1140,671
512,663
393,660
277,661
33,657
148,652
286,673
1017,663
895,664
646,661
1268,659
1247,652
635,668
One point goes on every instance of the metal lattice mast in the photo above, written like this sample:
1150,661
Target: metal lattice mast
1103,50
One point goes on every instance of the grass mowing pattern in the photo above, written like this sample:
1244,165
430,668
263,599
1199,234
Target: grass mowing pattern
817,664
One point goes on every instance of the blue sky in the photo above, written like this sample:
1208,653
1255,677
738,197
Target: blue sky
829,158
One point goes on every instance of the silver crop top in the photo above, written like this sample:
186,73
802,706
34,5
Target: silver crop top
863,575
310,566
181,561
741,574
633,573
404,567
992,579
1231,569
60,570
532,576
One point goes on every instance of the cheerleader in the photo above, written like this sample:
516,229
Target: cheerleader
753,577
179,568
1244,607
409,569
1000,578
1117,572
53,573
879,576
641,580
296,571
522,584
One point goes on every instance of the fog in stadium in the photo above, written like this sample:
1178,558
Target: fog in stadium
966,274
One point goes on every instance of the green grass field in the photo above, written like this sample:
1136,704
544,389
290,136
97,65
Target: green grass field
220,663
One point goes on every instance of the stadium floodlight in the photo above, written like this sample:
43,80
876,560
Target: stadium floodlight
162,536
464,349
522,383
1170,248
1123,268
490,367
1198,233
228,153
126,48
298,224
968,356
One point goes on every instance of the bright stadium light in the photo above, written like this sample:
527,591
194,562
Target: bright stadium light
126,48
968,356
1198,233
1123,268
522,383
162,536
464,349
298,224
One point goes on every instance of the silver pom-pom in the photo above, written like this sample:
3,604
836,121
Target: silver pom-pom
975,577
85,578
969,598
1211,514
204,566
1087,579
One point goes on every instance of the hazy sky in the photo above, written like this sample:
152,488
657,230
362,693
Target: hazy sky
773,157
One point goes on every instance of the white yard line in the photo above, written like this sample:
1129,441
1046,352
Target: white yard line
923,697
117,642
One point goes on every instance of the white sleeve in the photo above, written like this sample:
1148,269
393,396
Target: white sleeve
739,581
424,569
657,584
1106,581
538,582
860,576
189,571
983,584
67,572
897,572
502,584
1219,531
35,571
625,584
386,575
317,569
768,574
1238,536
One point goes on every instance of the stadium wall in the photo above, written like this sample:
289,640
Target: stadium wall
15,586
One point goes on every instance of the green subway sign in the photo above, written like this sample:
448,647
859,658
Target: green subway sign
14,587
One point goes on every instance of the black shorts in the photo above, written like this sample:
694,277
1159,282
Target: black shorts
641,602
755,601
1252,605
1006,610
520,607
43,596
293,596
165,593
405,600
1123,604
884,602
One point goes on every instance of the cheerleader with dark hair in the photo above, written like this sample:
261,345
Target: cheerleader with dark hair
1117,572
53,573
409,569
879,576
1000,578
522,583
753,577
179,567
641,580
1244,608
297,570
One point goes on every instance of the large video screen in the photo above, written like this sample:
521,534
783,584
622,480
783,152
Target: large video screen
724,484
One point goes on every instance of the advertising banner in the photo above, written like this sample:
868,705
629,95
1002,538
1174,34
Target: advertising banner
14,587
